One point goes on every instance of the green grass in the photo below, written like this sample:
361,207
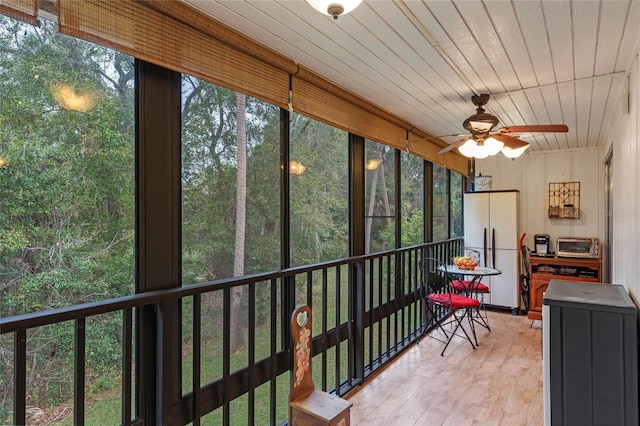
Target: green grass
105,407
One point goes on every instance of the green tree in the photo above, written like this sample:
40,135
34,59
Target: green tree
68,189
319,196
67,209
209,176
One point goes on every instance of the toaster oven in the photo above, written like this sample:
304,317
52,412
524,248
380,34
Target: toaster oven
584,247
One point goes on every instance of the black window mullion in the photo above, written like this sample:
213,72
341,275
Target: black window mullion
287,289
356,248
158,213
428,201
127,360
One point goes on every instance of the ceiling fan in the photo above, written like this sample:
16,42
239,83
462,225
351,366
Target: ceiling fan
482,142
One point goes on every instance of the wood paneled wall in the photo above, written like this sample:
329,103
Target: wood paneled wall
531,175
624,140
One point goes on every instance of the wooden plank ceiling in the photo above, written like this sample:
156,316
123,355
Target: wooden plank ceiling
542,61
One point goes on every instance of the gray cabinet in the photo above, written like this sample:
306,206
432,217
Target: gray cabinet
590,355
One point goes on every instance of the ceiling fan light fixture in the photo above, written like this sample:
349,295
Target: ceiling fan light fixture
514,152
492,146
468,149
481,153
480,149
334,8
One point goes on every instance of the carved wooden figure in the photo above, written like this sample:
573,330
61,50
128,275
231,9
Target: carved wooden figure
307,405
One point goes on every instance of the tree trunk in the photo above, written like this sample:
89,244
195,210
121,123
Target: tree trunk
385,195
237,328
369,221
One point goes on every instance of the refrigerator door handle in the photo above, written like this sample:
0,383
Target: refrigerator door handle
493,247
484,247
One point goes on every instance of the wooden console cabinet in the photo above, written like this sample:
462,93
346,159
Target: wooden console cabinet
544,269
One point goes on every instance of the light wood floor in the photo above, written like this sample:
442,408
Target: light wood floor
499,383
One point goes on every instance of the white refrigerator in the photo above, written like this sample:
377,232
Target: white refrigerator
492,227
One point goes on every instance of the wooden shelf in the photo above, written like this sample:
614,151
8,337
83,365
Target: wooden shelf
544,269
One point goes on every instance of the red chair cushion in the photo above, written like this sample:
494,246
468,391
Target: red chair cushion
454,300
461,286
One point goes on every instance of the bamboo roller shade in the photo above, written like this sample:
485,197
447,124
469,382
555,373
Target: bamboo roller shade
174,35
23,10
325,106
139,31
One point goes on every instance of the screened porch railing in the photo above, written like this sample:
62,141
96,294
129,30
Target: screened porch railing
366,309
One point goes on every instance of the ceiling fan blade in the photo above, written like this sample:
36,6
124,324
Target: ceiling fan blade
543,128
509,141
452,145
435,138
